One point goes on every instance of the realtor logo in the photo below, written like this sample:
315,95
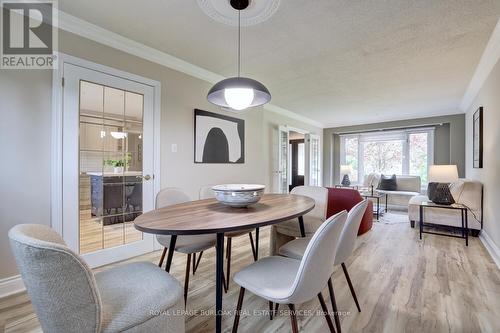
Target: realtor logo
29,38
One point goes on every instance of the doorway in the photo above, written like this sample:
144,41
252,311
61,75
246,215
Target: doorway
108,156
297,159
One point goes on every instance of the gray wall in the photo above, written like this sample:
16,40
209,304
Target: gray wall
489,175
25,110
449,142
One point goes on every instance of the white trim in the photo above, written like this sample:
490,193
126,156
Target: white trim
11,285
93,32
491,247
488,60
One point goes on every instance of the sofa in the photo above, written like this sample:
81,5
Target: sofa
337,199
464,191
407,187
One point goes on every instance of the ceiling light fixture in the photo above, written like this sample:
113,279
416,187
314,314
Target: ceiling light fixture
239,93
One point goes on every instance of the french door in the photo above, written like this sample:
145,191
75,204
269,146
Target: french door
283,173
312,157
108,163
313,160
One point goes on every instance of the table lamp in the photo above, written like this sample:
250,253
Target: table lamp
345,170
440,177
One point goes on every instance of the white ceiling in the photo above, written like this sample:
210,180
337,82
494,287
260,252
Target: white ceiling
338,62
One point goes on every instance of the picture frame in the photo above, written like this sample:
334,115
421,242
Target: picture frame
218,139
477,138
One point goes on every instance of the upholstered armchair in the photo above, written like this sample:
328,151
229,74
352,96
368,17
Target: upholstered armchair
69,297
329,201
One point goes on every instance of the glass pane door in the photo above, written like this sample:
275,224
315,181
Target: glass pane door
110,170
283,159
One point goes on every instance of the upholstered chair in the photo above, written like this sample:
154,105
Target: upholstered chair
283,280
188,244
286,231
296,249
207,193
69,297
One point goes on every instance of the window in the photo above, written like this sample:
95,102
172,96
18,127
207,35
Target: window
400,152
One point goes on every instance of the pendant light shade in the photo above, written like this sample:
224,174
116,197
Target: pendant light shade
239,93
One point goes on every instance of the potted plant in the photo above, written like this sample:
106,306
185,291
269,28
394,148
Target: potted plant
118,165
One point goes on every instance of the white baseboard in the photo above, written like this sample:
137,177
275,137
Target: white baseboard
491,247
11,285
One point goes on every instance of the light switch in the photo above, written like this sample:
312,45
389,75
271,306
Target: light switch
174,147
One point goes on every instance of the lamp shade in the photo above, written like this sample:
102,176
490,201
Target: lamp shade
345,169
239,93
443,173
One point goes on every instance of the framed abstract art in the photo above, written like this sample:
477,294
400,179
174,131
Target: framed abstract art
477,137
218,138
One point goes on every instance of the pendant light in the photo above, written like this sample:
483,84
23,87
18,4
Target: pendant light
239,93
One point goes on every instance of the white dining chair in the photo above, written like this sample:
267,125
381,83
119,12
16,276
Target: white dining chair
286,231
69,297
283,280
296,249
206,192
189,244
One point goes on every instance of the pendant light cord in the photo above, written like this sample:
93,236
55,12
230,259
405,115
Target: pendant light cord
239,38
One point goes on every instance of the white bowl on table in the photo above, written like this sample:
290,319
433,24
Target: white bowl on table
238,195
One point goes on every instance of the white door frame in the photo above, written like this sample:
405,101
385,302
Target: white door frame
307,155
57,129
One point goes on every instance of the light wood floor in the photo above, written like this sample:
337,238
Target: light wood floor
403,284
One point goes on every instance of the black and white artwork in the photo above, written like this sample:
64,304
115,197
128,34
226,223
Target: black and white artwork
218,138
477,138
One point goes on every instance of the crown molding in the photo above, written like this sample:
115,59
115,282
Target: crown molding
293,115
488,60
100,35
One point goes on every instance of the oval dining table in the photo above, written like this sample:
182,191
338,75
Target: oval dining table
212,217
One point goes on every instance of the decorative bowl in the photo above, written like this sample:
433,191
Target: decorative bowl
238,195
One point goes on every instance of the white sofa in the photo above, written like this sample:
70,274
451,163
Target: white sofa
464,191
407,187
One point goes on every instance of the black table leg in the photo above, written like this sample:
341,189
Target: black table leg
171,250
219,263
378,207
302,228
386,199
421,220
256,244
466,230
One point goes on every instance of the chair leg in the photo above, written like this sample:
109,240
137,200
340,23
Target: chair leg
186,279
228,270
350,286
293,318
196,263
162,256
238,310
334,306
270,310
325,312
251,244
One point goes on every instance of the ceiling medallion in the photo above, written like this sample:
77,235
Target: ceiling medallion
257,12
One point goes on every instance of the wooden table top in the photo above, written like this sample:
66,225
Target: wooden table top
209,216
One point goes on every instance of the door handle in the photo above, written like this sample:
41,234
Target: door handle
146,177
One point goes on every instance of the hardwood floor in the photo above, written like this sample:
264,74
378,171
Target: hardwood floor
402,283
